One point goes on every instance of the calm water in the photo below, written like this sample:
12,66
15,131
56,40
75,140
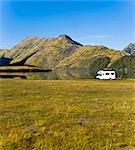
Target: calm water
69,74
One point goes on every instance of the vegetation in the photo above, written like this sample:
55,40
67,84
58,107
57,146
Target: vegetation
3,51
84,57
62,53
46,51
125,66
100,63
86,114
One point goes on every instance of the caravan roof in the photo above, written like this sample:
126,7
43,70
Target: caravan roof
101,71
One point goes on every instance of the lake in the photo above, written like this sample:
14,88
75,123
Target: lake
69,74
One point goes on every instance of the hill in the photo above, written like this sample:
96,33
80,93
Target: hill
3,51
125,66
41,52
62,52
91,57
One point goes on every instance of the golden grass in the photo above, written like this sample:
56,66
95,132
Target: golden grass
15,67
87,114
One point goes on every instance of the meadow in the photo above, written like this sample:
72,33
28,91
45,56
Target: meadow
67,114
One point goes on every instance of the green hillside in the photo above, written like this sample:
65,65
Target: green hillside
125,66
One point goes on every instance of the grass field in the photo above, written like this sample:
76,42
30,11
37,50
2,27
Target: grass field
63,115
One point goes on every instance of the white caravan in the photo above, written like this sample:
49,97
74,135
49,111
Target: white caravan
106,74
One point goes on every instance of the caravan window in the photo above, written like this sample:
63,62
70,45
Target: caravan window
112,73
107,74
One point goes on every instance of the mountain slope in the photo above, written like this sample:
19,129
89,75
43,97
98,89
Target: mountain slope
43,52
3,51
61,52
91,57
130,48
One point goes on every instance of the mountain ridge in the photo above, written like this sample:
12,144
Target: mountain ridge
62,52
130,48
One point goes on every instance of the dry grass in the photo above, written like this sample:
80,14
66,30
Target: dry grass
87,114
15,67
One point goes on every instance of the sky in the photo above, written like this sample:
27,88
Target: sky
92,22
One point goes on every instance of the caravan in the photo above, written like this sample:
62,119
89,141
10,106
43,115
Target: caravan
104,74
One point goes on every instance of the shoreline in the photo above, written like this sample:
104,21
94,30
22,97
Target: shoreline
22,69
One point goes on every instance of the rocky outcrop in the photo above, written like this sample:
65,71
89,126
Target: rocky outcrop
130,48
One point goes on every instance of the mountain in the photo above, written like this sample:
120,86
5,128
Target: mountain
91,57
3,51
63,52
42,52
130,48
60,52
3,60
